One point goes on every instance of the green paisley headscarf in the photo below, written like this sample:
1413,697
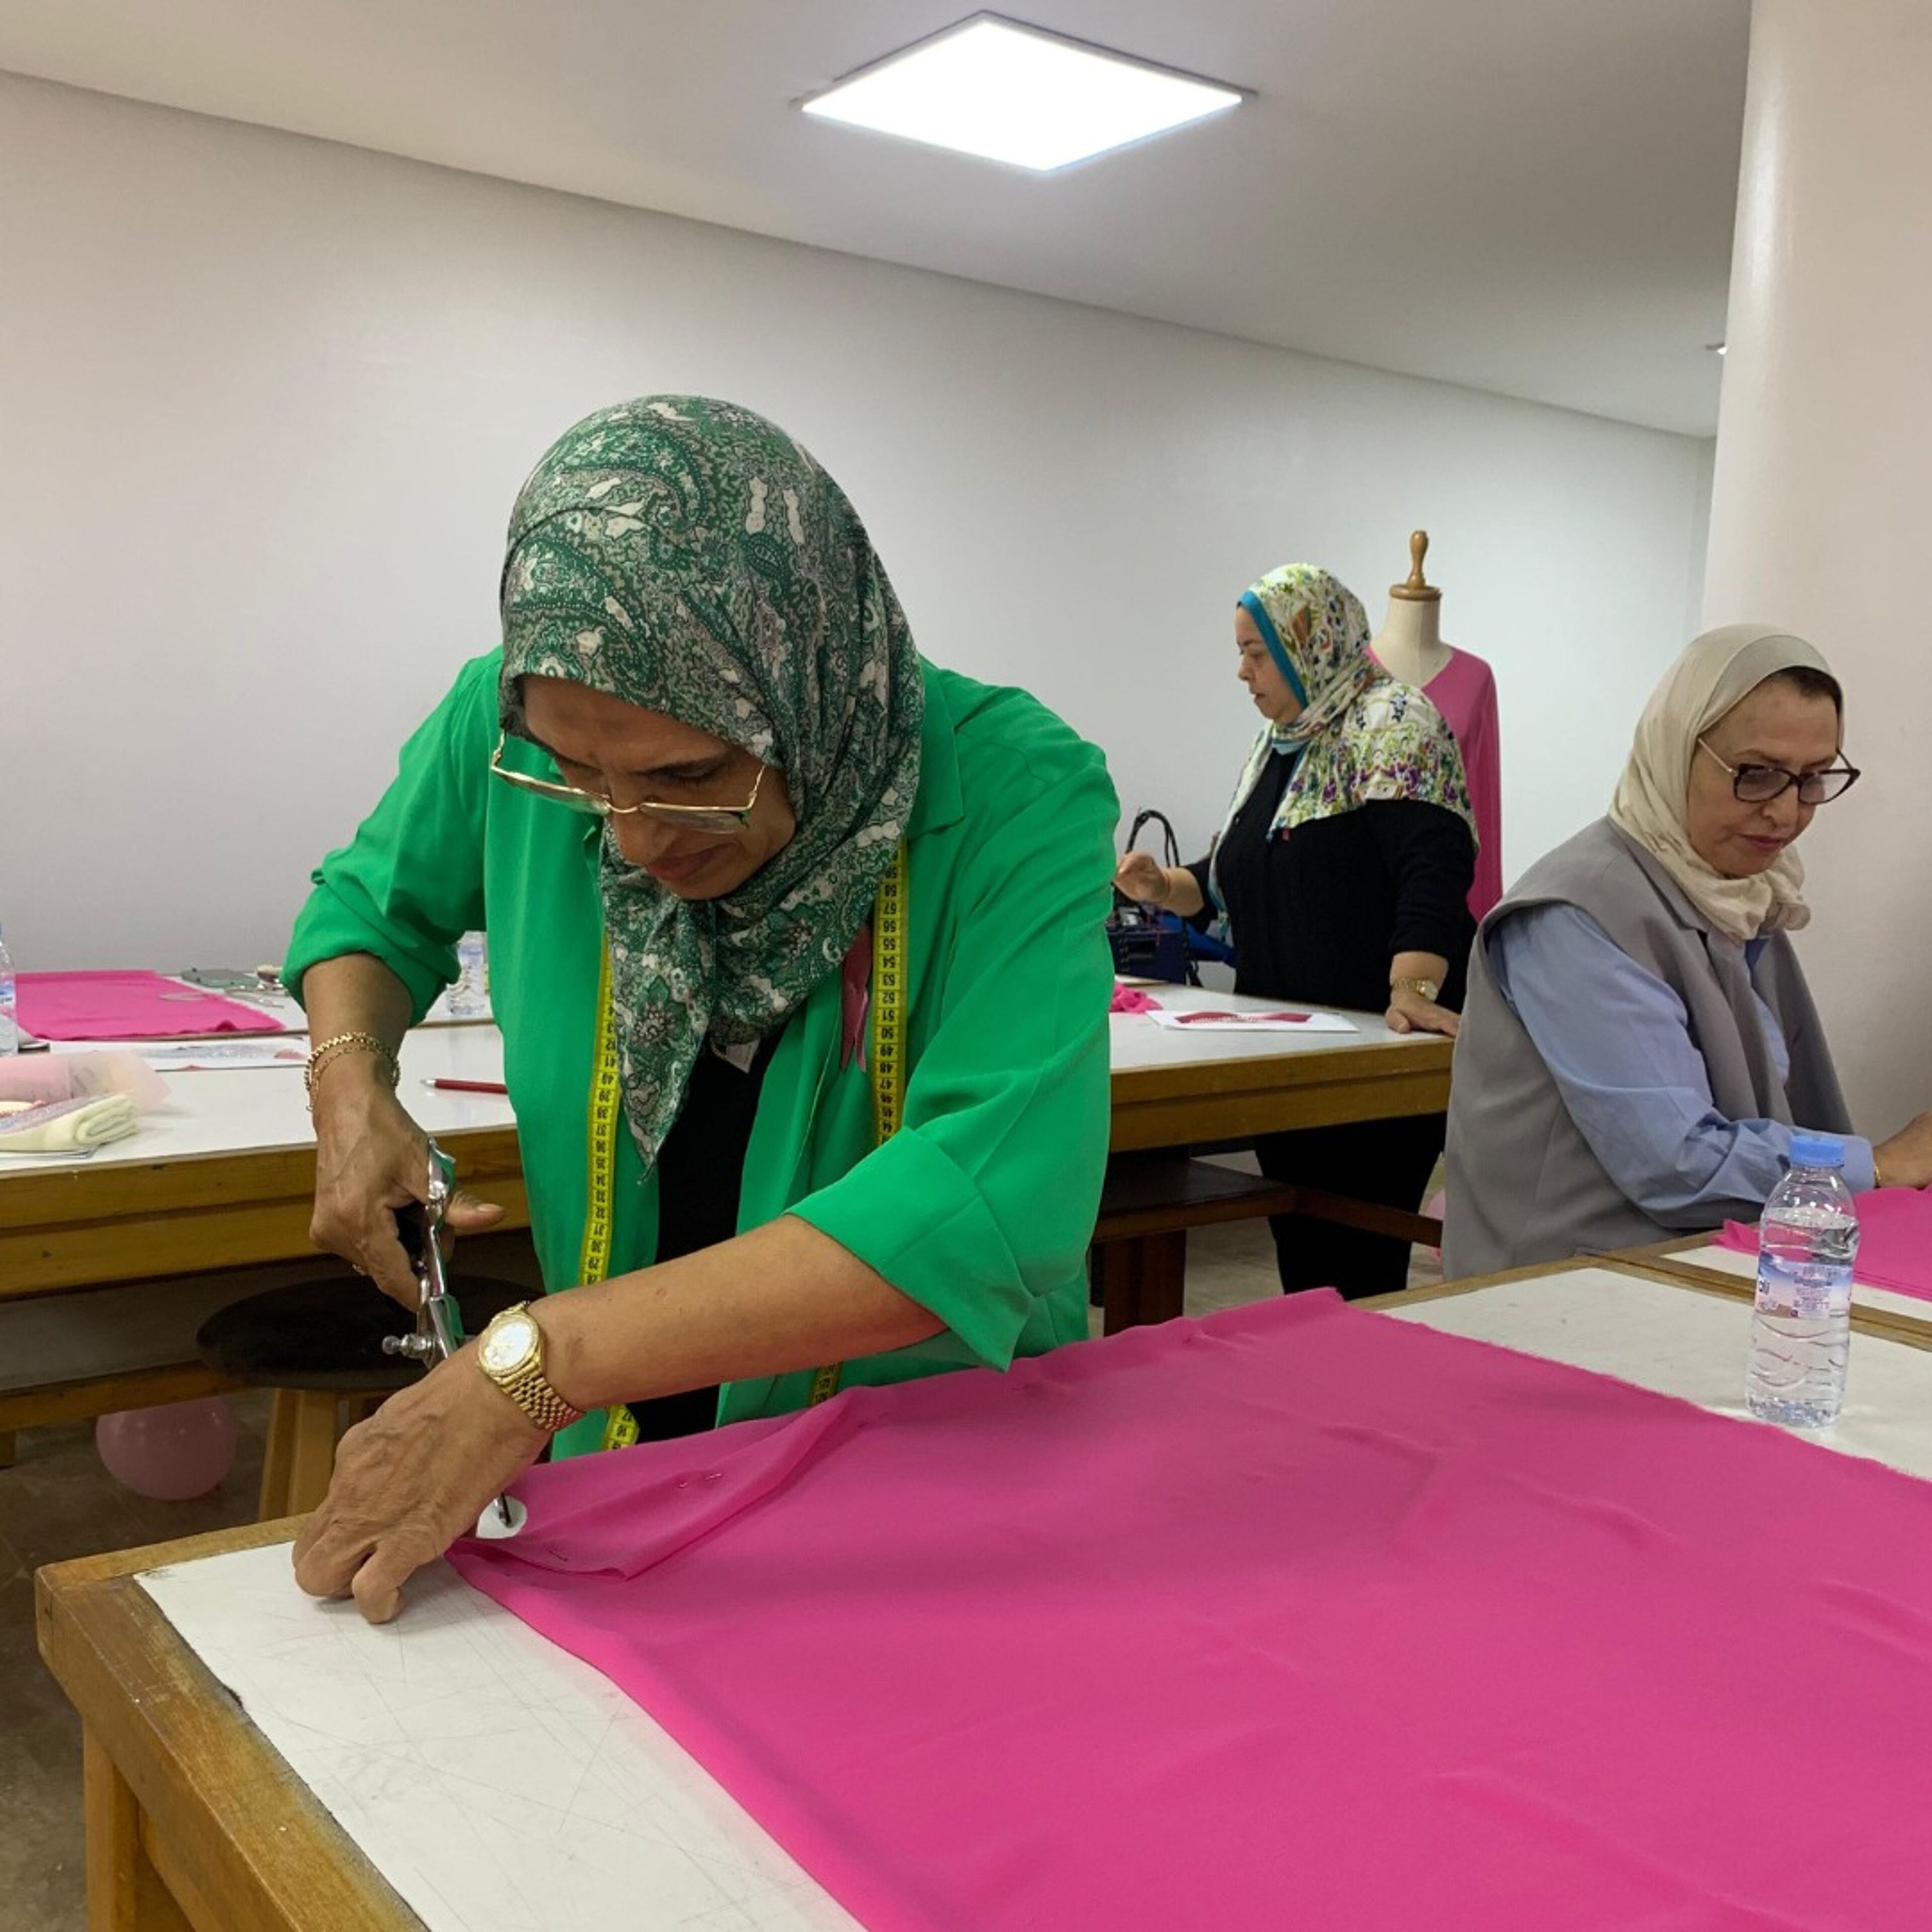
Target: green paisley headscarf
1360,737
686,556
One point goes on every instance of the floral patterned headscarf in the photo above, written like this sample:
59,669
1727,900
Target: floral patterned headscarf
687,556
1359,737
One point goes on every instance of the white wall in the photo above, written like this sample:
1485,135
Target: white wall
265,403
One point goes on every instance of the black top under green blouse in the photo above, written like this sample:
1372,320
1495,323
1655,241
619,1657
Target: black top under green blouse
1317,913
700,1172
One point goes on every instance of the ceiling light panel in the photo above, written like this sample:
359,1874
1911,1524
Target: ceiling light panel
1004,92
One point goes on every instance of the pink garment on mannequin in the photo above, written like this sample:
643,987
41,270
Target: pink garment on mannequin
1297,1615
1465,691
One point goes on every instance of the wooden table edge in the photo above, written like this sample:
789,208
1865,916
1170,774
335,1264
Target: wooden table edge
205,1808
1675,1258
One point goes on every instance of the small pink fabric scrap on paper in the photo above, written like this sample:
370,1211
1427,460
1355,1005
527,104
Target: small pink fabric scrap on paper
130,1006
1895,1240
1296,1615
1132,1000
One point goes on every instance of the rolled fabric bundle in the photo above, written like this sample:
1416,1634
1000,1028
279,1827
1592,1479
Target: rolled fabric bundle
65,1127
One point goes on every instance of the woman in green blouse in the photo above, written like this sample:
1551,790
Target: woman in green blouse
808,1093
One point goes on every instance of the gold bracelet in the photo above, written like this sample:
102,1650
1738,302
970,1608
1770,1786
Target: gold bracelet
335,1047
1428,989
1878,1179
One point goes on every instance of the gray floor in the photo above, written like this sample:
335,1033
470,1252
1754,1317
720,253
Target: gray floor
57,1501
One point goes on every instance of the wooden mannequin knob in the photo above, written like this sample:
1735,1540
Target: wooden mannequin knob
1417,588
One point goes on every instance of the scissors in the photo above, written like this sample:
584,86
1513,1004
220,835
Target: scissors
438,1334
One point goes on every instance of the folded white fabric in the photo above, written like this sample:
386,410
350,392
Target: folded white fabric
65,1127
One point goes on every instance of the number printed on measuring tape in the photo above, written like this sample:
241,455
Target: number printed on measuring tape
886,1049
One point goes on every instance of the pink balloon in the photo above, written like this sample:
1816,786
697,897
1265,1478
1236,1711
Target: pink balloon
177,1451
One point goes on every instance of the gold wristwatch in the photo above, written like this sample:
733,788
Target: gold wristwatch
511,1353
1428,989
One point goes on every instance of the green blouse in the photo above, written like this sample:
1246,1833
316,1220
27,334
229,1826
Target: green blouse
981,1207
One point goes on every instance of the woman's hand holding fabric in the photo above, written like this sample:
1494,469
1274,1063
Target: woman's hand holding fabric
409,1481
371,1158
1408,1012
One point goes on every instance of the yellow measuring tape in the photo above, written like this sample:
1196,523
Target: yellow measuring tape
885,1061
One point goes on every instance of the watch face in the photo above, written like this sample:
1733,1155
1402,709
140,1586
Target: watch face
508,1343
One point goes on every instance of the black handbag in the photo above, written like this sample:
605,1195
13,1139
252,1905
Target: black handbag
1149,944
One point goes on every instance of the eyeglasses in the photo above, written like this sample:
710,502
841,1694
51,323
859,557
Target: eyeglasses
1759,785
719,820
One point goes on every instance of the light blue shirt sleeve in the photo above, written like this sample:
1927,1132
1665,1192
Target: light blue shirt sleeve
1617,1042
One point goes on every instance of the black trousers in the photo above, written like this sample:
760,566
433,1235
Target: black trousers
1386,1161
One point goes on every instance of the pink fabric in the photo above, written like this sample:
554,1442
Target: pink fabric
1297,1615
1132,1000
855,998
1895,1240
130,1006
1465,691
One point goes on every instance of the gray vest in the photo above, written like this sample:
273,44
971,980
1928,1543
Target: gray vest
1523,1185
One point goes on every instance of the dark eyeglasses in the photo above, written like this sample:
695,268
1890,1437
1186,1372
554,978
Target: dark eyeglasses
720,820
1759,785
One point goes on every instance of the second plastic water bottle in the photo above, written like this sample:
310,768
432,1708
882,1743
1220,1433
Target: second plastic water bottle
1802,1324
10,1029
469,998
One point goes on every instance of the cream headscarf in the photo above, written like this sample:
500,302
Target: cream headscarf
1716,672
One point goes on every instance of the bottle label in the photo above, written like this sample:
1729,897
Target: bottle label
1814,1291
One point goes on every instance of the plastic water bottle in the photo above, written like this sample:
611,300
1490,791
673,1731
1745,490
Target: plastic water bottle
469,998
10,1024
1802,1324
8,1015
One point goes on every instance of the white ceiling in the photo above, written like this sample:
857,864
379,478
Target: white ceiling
1532,196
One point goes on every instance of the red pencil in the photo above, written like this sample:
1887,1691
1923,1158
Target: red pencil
468,1086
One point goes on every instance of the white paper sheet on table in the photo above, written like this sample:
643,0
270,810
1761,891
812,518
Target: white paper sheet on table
191,1056
498,1784
1285,1020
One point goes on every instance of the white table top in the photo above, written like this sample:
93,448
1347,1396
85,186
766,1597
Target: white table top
498,1782
263,1108
1734,1264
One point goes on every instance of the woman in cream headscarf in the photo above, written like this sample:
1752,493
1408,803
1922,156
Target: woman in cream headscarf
1638,1043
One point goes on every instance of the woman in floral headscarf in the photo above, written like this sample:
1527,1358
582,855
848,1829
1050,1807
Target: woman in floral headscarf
745,860
1342,870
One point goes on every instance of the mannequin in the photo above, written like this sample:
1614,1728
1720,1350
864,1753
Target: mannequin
1409,647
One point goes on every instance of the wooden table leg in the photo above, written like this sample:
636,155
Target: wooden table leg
124,1893
1142,1279
312,1459
276,1450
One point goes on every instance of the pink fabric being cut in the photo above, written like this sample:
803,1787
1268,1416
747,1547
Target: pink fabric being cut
130,1006
1465,691
1297,1615
1895,1240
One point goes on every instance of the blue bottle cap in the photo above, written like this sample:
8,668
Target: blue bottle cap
1817,1151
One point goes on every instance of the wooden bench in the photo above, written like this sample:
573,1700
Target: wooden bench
1138,1264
